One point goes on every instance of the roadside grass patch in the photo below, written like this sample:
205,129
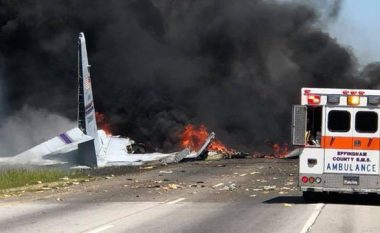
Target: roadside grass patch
18,177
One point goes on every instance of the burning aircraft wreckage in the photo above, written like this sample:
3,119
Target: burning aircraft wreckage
98,148
85,145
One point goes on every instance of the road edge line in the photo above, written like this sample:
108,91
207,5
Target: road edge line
175,201
313,217
100,229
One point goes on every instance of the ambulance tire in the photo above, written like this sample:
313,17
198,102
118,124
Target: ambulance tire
312,196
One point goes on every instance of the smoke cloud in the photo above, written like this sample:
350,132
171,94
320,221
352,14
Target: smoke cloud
29,127
235,66
2,91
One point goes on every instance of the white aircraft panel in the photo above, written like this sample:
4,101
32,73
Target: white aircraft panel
63,143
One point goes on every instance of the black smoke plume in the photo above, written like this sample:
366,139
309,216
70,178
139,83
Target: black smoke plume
157,65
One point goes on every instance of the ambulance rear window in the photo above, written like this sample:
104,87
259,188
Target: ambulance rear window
366,122
339,121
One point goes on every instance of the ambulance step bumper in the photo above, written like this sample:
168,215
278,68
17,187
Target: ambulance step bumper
342,183
340,190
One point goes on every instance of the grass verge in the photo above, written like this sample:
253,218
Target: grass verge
18,177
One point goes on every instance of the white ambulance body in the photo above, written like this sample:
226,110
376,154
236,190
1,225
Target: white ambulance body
338,132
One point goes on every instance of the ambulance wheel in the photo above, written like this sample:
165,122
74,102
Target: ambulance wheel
312,196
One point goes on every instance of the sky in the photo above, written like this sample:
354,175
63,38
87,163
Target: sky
358,27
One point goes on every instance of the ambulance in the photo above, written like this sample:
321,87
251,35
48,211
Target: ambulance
337,132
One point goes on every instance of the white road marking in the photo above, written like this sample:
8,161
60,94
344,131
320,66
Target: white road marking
252,173
243,174
175,201
100,229
217,185
311,220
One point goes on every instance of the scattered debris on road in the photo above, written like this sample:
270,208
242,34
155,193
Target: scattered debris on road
254,178
167,172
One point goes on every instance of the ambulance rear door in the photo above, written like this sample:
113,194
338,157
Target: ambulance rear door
366,143
337,138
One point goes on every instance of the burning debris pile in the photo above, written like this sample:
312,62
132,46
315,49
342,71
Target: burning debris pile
278,150
193,137
199,141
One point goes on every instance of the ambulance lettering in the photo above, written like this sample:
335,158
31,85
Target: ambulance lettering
349,167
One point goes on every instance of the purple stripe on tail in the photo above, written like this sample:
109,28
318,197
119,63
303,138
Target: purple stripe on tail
65,138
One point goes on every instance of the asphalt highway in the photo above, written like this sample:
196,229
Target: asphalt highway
247,195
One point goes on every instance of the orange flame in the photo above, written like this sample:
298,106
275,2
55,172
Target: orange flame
194,138
280,151
102,123
217,145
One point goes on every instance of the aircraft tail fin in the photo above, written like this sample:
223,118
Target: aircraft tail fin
86,108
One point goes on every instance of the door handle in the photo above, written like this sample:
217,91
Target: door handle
369,142
332,141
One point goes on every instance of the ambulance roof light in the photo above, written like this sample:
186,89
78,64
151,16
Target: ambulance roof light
313,99
373,100
333,99
353,100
